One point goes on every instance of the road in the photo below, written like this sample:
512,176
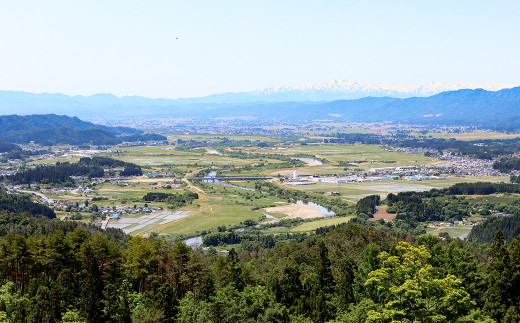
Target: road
43,196
105,223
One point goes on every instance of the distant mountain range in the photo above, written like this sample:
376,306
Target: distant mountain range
498,109
344,90
493,109
28,103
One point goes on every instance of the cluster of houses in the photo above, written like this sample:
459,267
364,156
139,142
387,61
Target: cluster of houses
454,166
7,170
117,212
373,175
450,224
141,143
410,150
60,190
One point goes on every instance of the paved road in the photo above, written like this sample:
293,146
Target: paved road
43,196
105,222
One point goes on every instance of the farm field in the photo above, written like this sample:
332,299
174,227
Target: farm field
474,135
217,215
159,155
219,206
356,190
458,231
368,156
210,138
310,226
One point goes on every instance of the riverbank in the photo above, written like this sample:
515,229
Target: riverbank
295,210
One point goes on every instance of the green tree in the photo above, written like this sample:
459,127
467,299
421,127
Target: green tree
368,262
345,283
233,270
141,261
498,280
290,286
326,281
91,285
412,290
503,280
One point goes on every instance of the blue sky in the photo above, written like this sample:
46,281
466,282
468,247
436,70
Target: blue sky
130,47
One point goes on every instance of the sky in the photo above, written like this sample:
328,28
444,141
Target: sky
131,47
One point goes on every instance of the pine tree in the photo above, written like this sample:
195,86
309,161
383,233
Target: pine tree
498,280
345,283
323,270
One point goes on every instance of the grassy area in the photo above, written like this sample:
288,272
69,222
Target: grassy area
458,231
226,206
357,190
230,206
370,156
310,226
211,138
61,159
218,215
474,135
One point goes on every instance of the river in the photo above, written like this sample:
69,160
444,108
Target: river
311,161
194,242
322,209
210,179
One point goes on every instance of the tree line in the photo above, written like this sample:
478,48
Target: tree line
176,200
61,172
21,203
348,274
505,165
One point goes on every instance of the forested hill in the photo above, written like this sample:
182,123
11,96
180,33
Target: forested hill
6,147
509,225
51,129
53,271
19,203
60,173
16,123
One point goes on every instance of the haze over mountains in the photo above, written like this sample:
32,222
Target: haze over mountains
426,103
26,102
348,90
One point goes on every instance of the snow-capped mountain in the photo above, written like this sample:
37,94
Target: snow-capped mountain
347,90
86,106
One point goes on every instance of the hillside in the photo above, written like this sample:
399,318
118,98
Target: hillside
7,147
51,129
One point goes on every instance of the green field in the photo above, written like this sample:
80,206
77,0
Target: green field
458,231
218,215
369,156
474,135
158,155
313,225
229,206
225,206
354,191
211,138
